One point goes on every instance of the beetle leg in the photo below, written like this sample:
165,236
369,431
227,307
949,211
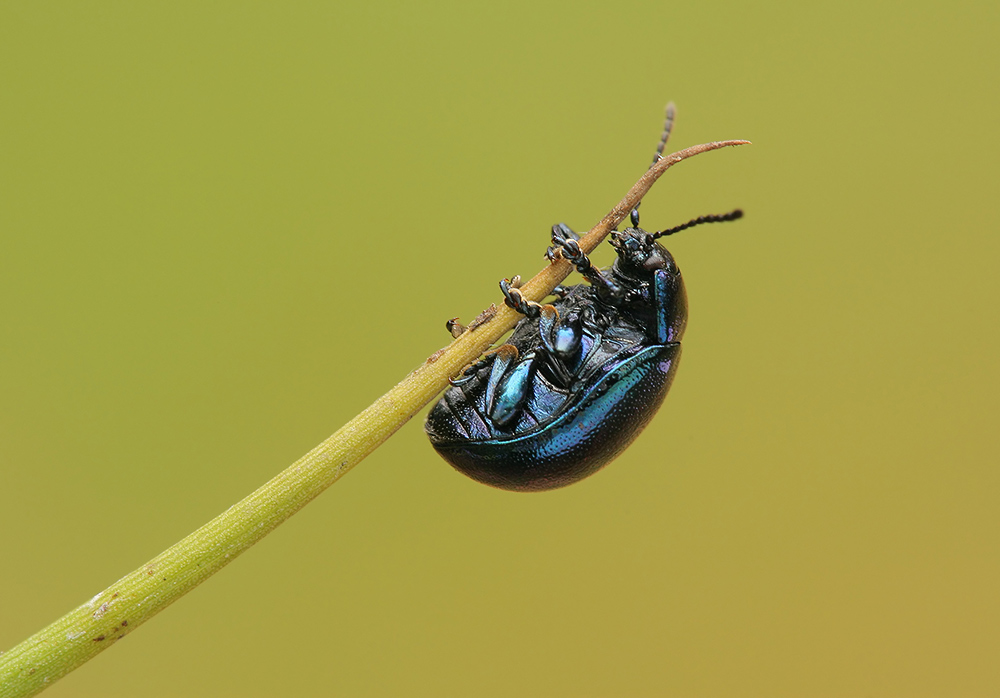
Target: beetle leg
503,358
560,291
463,379
560,233
561,339
516,300
564,232
470,371
508,385
568,244
560,335
511,389
571,251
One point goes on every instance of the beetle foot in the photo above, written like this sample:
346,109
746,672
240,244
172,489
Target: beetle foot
470,371
572,252
561,234
516,300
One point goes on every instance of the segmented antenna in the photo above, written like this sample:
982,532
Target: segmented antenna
668,126
731,216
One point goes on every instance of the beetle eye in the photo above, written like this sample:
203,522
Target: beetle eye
648,239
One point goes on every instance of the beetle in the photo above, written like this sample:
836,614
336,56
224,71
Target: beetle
579,378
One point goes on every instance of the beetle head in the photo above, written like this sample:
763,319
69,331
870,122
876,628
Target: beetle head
639,254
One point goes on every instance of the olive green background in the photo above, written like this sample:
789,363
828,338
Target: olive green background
226,228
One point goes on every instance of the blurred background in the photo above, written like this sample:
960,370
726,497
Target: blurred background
225,229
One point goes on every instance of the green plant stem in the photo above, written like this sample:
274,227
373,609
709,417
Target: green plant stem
115,612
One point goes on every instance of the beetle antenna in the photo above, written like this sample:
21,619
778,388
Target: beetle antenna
731,216
668,126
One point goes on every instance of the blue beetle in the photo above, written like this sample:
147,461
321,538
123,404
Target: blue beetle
579,378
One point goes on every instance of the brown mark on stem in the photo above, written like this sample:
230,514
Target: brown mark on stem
484,317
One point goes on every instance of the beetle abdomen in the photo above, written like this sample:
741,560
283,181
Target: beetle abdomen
590,430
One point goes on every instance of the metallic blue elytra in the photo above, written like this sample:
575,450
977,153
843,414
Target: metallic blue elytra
579,378
590,431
